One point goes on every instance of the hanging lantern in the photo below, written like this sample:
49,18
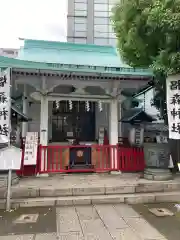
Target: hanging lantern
57,104
87,106
100,106
70,105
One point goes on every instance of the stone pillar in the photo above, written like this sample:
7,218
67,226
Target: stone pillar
25,111
113,131
44,131
44,121
120,123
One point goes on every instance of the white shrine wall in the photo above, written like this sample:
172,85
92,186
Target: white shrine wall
34,114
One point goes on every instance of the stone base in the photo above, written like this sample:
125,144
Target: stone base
115,172
42,175
157,174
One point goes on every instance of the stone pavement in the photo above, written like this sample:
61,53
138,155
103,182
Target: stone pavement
92,222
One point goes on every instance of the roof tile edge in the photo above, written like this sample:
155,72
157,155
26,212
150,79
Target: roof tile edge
29,43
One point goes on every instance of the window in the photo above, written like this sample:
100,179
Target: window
101,7
101,41
101,14
80,13
100,34
101,1
80,20
80,40
101,20
112,35
101,28
80,1
112,41
81,27
81,6
111,30
80,34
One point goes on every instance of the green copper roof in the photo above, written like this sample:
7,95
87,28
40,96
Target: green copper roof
70,57
70,53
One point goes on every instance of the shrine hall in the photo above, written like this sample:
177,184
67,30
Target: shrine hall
71,92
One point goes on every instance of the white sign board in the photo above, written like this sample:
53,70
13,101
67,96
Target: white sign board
5,105
10,158
173,105
31,147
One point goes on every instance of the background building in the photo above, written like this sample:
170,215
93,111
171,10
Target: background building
9,52
89,22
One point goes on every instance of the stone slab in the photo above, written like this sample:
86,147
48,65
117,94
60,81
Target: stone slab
49,192
144,229
35,202
110,218
139,198
67,220
125,234
125,210
107,199
24,193
168,197
149,187
92,226
46,236
18,237
119,189
171,187
88,191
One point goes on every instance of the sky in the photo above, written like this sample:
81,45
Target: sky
33,19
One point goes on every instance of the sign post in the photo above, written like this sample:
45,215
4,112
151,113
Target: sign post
8,200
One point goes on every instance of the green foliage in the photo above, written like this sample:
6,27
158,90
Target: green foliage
148,34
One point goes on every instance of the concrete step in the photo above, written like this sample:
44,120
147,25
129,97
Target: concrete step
19,191
95,199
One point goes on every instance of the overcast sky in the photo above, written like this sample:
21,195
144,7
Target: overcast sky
34,19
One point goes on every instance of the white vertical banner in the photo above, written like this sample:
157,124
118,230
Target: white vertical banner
173,105
5,105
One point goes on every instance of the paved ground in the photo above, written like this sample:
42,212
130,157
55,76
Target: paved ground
167,225
94,222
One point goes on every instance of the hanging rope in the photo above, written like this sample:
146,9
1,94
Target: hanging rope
57,104
70,105
87,106
100,106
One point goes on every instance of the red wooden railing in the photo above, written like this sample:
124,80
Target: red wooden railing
104,158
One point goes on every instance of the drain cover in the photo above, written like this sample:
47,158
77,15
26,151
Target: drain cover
161,212
27,218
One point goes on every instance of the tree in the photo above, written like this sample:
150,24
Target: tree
148,36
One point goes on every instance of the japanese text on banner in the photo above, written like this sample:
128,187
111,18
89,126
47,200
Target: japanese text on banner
173,107
5,103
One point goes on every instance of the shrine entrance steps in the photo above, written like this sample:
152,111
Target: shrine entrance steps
79,189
